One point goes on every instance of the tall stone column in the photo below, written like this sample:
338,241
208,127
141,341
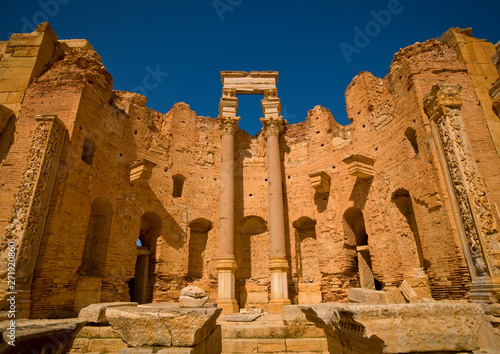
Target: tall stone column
23,234
278,264
226,264
471,208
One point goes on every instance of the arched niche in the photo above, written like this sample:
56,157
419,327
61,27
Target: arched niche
198,258
95,249
407,231
306,246
355,232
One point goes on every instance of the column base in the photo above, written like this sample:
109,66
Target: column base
275,306
279,285
228,305
226,266
485,290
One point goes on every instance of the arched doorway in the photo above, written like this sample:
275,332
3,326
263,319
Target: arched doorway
354,227
146,258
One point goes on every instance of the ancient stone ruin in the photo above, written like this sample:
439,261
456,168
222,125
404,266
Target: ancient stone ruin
394,216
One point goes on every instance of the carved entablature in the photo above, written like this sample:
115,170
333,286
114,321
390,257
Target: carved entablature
272,126
228,125
27,218
442,104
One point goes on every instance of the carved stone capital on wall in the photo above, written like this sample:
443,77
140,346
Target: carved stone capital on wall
228,125
441,98
272,126
271,104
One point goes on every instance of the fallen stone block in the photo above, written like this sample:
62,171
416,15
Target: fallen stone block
401,328
139,326
42,336
96,313
410,295
367,296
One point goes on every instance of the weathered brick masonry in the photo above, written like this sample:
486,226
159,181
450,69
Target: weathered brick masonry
363,232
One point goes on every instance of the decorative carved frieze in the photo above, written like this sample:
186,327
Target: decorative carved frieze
272,126
140,170
443,106
320,181
29,211
359,165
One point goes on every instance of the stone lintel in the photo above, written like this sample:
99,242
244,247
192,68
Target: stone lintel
254,82
359,165
320,181
141,170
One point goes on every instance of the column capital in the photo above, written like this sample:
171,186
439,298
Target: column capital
441,98
272,126
228,125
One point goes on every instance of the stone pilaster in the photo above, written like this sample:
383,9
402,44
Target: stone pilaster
226,265
278,264
29,212
472,210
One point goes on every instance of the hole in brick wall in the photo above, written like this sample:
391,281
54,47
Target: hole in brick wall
317,117
121,154
265,180
333,167
376,149
250,195
80,127
135,131
363,126
178,185
288,177
322,145
183,122
317,132
165,169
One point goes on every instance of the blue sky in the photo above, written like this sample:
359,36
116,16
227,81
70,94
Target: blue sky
316,45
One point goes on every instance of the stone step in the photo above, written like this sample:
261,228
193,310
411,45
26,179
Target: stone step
267,345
